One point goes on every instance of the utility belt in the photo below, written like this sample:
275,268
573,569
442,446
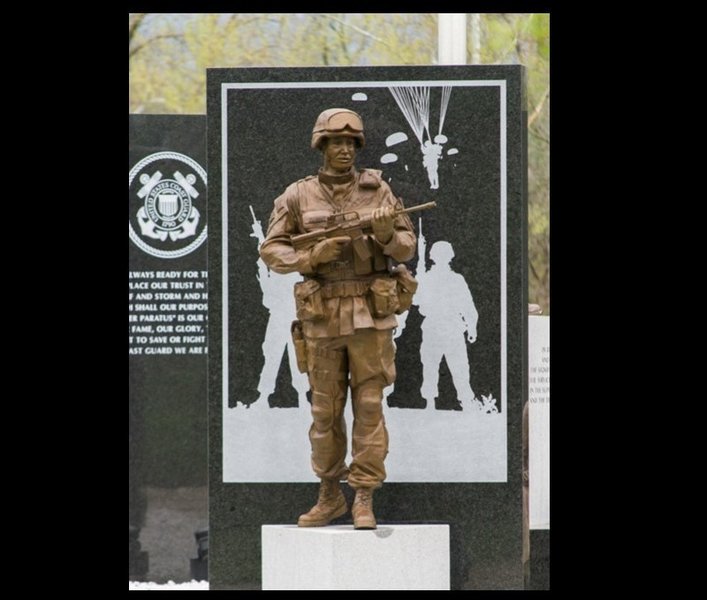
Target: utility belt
345,288
385,294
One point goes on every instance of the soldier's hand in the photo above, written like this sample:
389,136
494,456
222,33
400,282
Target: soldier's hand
382,223
328,250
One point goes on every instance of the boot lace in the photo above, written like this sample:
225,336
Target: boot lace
364,499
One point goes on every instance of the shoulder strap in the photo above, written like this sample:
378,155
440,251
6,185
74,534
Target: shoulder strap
293,207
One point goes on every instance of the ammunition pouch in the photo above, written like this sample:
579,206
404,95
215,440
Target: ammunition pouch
406,288
300,346
383,297
308,300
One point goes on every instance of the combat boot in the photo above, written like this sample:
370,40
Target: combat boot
362,510
331,504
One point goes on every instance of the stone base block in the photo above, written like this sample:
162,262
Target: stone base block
337,557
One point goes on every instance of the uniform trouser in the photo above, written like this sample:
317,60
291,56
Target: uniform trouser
368,356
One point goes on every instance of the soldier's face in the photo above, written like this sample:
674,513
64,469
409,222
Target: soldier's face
339,152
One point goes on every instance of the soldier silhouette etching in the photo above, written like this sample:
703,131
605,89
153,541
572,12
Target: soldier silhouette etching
342,229
449,322
277,341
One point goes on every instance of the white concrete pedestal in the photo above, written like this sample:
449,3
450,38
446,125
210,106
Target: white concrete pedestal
337,557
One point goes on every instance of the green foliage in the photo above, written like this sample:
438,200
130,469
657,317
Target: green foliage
169,55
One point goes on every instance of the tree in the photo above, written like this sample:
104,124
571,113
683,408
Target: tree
524,39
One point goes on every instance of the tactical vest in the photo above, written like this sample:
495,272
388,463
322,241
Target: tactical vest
310,207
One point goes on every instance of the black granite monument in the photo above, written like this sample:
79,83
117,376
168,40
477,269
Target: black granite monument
455,135
167,299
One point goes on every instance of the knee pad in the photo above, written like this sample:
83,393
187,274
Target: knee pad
369,404
322,411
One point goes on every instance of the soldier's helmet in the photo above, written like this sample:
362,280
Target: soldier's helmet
441,253
336,122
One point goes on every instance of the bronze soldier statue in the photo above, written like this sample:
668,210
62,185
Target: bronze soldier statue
346,307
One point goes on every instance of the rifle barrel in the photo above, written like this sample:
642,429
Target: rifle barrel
424,206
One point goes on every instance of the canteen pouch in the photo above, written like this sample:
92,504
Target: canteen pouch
383,297
308,300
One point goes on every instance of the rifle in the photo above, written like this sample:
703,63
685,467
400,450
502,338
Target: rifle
421,250
263,271
257,228
348,224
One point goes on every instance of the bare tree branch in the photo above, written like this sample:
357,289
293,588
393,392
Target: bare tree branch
538,136
341,34
354,27
239,21
165,36
134,23
535,273
539,107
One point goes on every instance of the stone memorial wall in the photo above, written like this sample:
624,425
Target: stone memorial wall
455,135
167,332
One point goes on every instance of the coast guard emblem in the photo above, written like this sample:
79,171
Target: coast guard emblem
165,192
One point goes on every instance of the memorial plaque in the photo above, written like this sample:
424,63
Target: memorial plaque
167,317
539,451
455,135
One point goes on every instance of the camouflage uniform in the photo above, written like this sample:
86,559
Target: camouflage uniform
347,331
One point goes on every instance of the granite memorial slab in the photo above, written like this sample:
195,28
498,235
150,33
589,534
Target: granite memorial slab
453,135
167,317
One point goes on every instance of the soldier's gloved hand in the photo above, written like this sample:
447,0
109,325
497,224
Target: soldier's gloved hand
382,223
327,250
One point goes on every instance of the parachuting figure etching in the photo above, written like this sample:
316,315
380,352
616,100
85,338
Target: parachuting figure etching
343,230
414,103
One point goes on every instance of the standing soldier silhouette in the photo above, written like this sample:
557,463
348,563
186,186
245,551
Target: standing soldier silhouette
445,302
